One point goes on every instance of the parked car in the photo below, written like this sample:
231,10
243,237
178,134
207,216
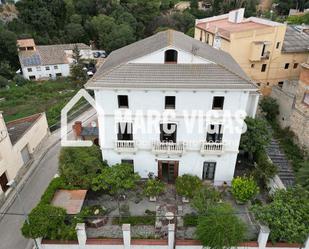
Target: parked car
99,54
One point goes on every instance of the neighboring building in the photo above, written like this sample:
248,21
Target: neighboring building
48,61
294,105
90,132
269,52
172,73
18,140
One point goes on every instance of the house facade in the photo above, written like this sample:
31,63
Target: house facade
48,61
269,52
19,139
169,105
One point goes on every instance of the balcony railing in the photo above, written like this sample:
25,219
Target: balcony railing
168,147
212,147
125,146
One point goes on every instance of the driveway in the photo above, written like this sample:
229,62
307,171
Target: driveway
10,235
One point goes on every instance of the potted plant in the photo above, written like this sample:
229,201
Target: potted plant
244,189
153,188
187,185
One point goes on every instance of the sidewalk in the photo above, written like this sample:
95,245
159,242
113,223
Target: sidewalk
50,142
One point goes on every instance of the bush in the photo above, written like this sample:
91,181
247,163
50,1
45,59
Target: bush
3,82
302,175
270,107
79,165
265,169
153,188
244,188
287,215
205,198
20,80
190,220
135,220
220,228
187,185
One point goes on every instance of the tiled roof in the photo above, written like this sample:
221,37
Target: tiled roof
156,42
19,127
25,43
180,76
48,54
295,41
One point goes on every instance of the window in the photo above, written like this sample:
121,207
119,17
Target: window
125,131
277,45
286,66
58,74
31,77
217,103
209,169
259,84
207,38
3,182
295,65
55,67
214,133
306,98
29,69
127,161
123,101
38,68
47,68
263,69
201,36
280,84
267,83
170,102
171,56
168,132
30,48
252,65
263,50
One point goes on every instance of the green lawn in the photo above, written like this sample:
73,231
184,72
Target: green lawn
49,96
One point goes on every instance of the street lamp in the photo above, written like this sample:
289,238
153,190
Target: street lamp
13,184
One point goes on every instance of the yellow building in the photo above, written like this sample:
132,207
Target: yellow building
269,52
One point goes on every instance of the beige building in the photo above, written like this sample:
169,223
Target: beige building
269,52
19,139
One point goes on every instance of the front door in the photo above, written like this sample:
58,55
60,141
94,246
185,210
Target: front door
3,182
168,171
209,170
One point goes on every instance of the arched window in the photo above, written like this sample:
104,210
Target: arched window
171,56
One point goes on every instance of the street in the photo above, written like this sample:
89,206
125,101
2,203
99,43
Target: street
10,234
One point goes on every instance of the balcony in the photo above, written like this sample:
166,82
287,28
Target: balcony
212,148
168,148
125,146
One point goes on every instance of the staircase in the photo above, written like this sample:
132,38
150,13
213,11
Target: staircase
278,158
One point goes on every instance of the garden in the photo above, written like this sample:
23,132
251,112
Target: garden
117,195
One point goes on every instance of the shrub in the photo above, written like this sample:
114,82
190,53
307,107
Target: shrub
20,80
244,188
187,185
287,215
205,198
135,220
227,230
265,169
79,165
153,188
190,220
3,81
302,175
270,107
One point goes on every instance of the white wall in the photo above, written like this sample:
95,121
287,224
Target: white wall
40,72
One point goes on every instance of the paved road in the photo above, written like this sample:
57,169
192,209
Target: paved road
10,235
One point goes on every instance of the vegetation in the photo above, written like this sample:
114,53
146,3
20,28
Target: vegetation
244,188
298,19
287,215
116,179
227,230
79,165
135,220
153,188
205,198
303,175
256,138
190,220
35,97
264,169
187,185
78,74
270,108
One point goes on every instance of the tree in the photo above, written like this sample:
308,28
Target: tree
227,230
75,32
298,19
303,175
287,215
264,169
205,198
186,185
78,166
257,136
77,68
270,107
45,221
3,82
8,48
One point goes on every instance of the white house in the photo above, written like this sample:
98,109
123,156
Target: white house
48,61
169,105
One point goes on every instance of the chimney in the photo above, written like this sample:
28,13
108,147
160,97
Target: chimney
236,16
77,128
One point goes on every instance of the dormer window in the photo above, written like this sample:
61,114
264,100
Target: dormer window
171,56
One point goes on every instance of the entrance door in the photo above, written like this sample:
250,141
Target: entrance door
168,171
25,154
209,170
3,182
